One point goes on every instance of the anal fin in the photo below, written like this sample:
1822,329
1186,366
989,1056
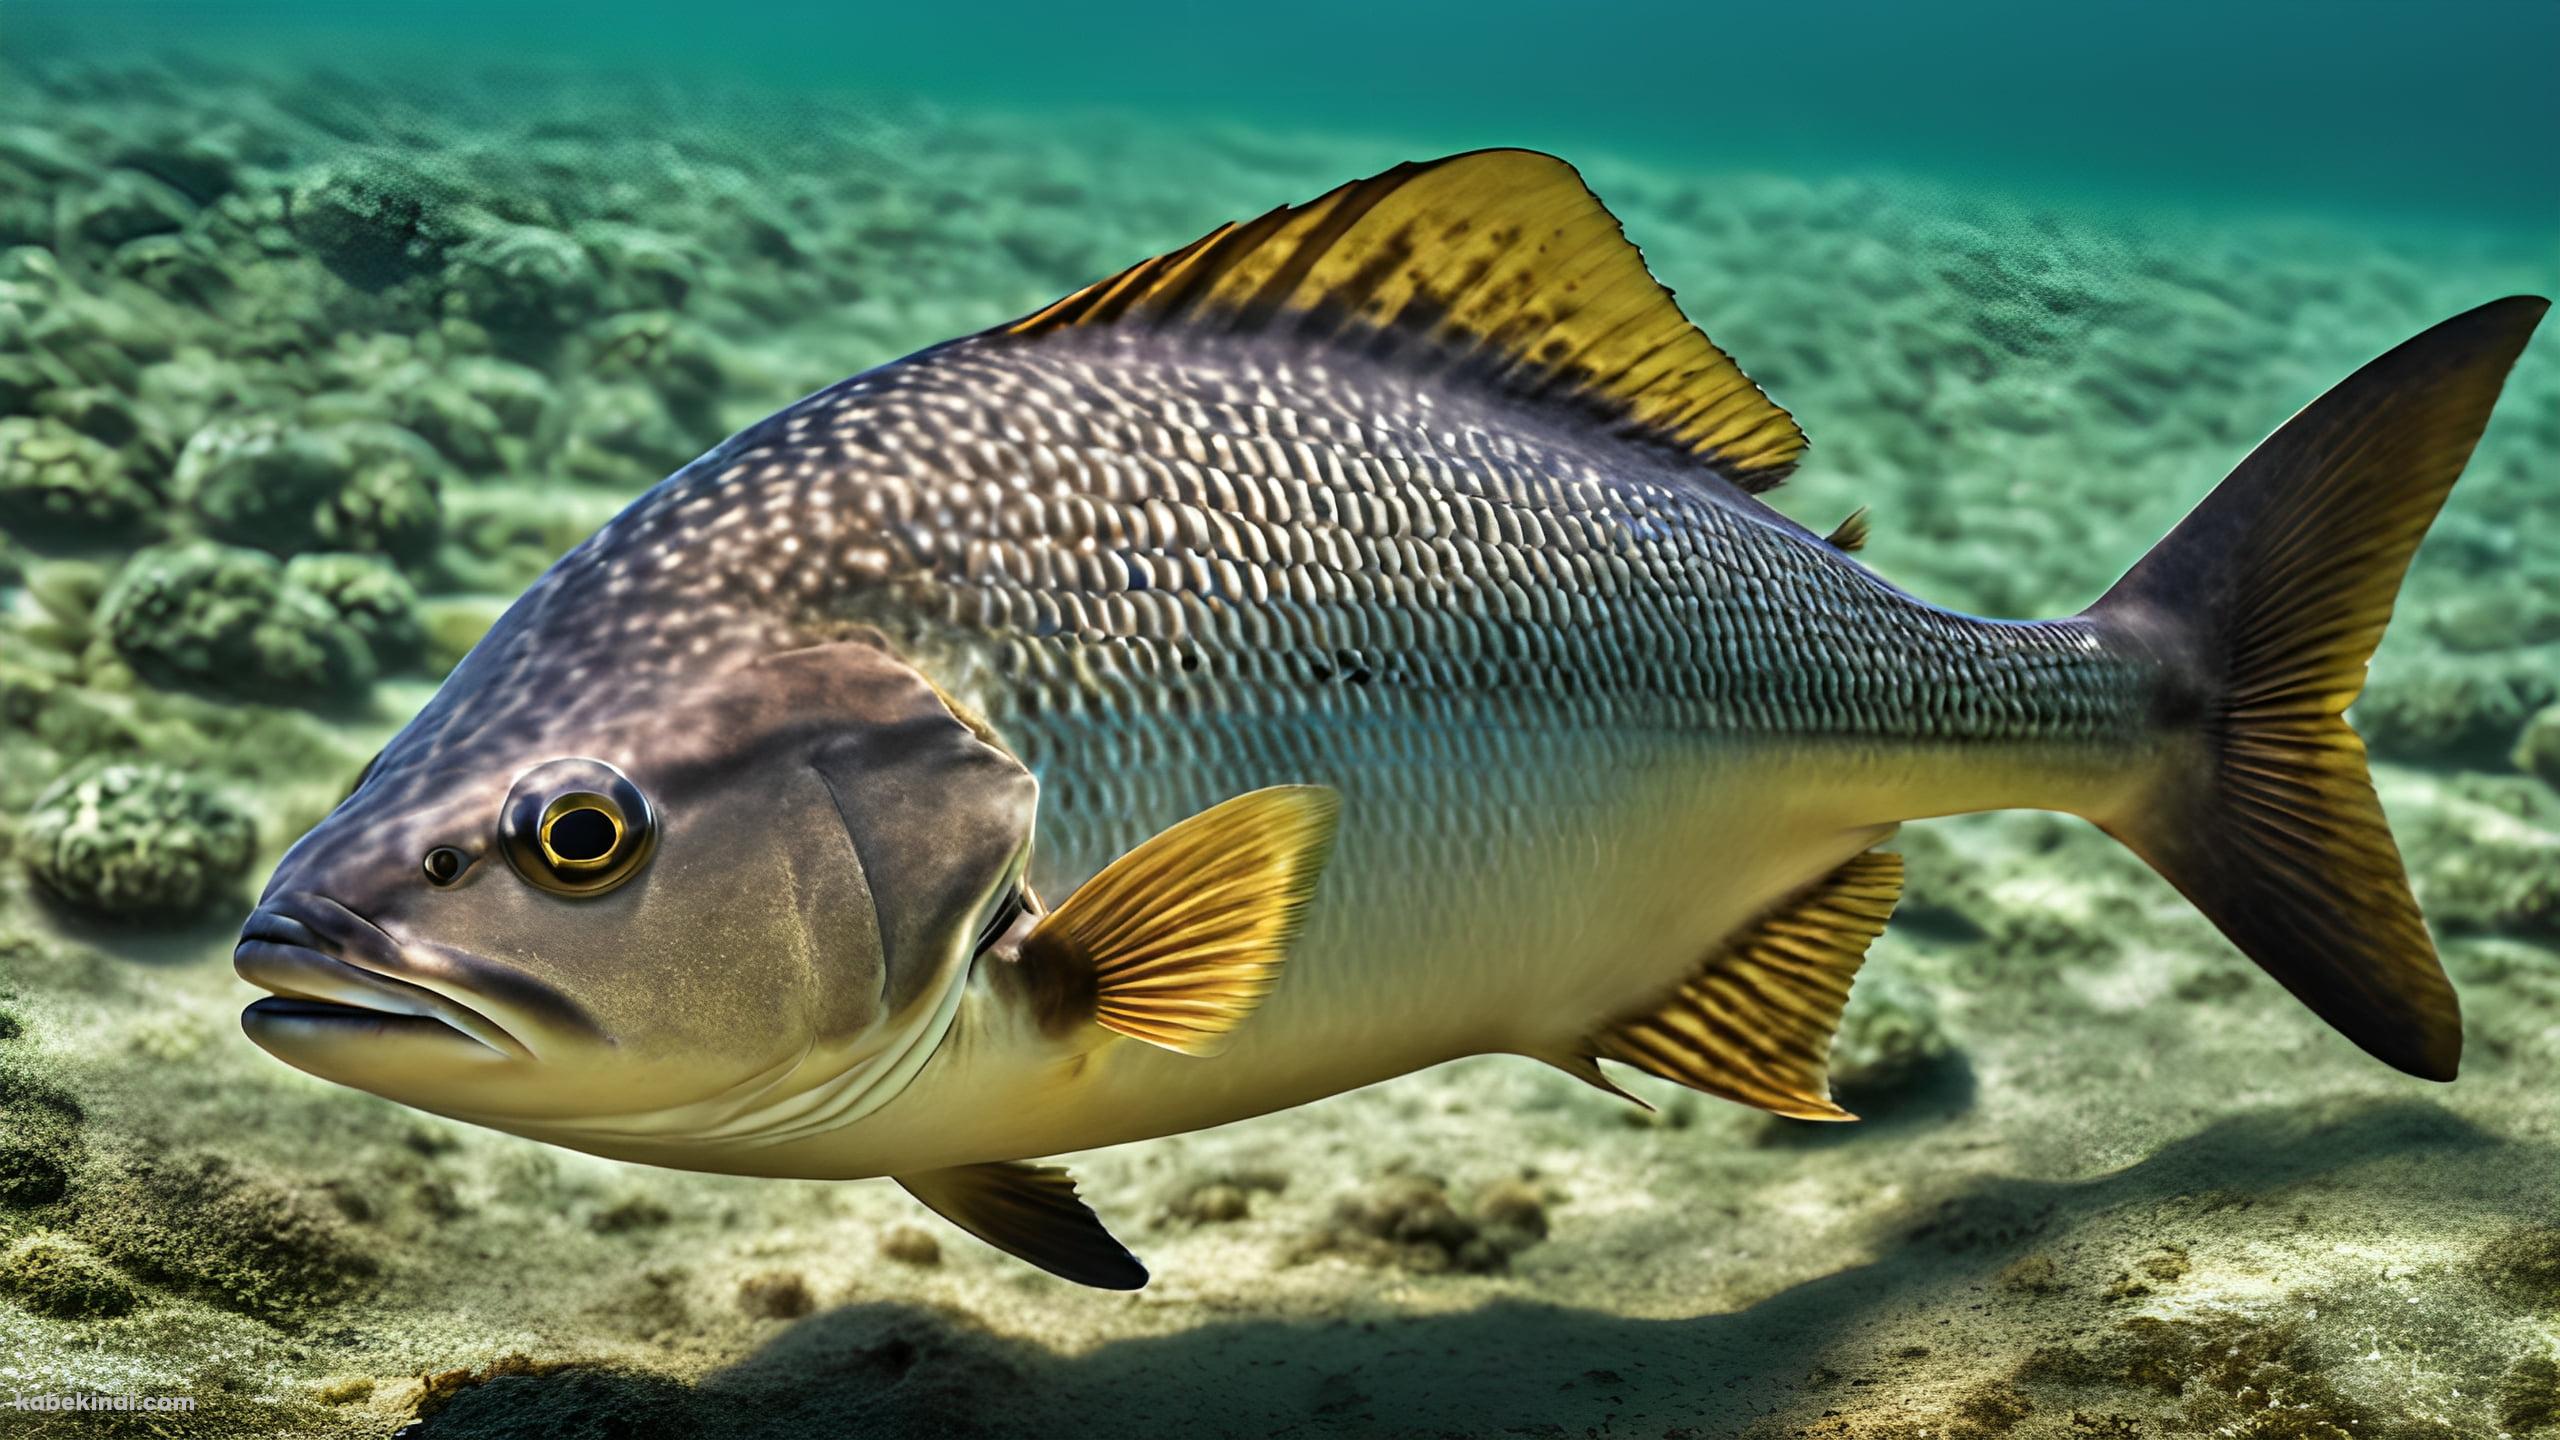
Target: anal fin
1754,1024
1032,1213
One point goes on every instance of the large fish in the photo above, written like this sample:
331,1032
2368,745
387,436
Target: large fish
1363,626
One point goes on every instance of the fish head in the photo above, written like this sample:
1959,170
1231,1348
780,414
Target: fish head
666,910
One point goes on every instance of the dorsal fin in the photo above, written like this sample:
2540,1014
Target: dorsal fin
1755,1023
1500,260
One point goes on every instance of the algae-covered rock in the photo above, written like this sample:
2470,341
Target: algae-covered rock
180,266
376,222
372,596
125,205
643,269
2501,884
2523,1264
127,839
2529,1395
454,624
1411,1222
776,1295
355,485
54,479
1889,1039
2451,709
517,394
58,1276
201,166
220,618
623,435
525,285
2537,750
674,357
911,1245
239,1239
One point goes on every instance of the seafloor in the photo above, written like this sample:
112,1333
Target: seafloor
303,379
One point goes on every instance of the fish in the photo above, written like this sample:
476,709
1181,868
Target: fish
1366,626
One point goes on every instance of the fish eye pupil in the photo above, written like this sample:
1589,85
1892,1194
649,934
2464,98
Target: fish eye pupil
584,835
443,865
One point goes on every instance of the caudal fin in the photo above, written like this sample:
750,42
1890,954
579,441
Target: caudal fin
2267,601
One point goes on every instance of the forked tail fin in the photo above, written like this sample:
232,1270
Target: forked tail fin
2266,601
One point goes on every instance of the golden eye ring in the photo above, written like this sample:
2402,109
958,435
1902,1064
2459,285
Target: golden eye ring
580,833
577,827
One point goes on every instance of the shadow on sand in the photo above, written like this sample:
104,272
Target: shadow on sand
1506,1368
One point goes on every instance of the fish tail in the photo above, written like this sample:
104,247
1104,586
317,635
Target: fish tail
2263,607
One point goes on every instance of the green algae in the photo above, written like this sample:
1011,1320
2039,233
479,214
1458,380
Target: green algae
211,1228
57,1276
40,1129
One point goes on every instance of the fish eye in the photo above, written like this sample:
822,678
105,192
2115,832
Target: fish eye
577,827
444,865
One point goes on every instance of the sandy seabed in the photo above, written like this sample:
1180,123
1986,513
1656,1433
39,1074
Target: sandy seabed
300,381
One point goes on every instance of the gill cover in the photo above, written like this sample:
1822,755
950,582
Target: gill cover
939,818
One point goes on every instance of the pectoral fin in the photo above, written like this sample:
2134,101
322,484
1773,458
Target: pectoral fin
1755,1023
1177,941
1032,1213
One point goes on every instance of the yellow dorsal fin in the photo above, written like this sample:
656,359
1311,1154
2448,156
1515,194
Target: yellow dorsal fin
1184,935
1755,1023
1501,261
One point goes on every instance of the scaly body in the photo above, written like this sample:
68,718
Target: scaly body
1345,644
1586,715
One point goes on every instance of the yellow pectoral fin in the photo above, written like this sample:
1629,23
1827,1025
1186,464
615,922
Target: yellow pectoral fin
1184,935
1755,1023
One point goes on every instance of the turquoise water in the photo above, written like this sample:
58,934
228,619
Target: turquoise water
325,329
2395,109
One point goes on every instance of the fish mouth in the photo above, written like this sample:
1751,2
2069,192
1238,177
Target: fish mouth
335,978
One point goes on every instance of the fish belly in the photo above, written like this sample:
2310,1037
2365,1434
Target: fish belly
1500,882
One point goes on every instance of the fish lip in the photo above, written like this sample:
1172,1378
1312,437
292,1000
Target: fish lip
280,1008
310,949
314,985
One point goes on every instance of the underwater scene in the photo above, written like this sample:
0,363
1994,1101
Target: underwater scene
326,331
